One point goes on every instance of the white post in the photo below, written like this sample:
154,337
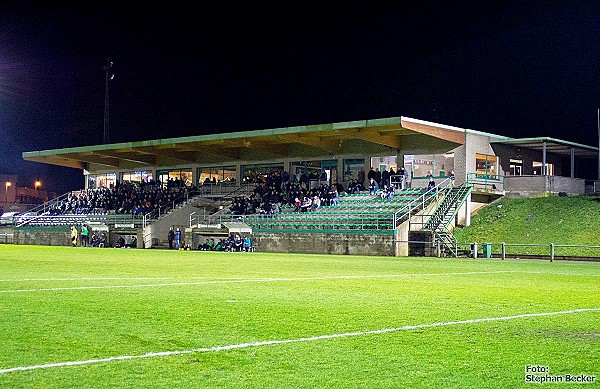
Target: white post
544,171
572,162
468,211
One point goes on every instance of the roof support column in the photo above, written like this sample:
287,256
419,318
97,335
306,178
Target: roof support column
544,172
572,162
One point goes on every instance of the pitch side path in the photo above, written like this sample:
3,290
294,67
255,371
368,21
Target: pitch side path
75,317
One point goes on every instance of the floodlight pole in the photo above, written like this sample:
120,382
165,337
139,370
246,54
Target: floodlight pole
107,78
598,144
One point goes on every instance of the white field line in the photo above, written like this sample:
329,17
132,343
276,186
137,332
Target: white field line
297,340
86,279
240,281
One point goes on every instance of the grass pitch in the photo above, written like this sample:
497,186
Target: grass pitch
569,220
61,304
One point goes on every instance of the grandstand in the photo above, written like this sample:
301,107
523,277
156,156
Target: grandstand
353,212
191,182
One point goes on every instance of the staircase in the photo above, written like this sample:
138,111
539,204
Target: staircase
441,219
180,215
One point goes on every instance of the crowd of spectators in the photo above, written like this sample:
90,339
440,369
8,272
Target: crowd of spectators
123,198
232,243
279,189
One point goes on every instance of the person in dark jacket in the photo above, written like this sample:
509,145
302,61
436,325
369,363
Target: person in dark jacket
178,239
171,238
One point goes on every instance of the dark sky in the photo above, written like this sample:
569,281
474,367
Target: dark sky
503,67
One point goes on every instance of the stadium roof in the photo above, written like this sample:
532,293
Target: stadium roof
553,145
388,135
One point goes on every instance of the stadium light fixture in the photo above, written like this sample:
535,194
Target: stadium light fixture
7,184
36,185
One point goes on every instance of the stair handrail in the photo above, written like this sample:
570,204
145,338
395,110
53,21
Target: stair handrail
421,201
42,208
440,229
441,212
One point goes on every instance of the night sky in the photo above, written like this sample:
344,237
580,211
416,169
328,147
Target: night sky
508,68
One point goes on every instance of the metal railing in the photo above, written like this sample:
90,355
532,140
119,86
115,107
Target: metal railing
315,220
48,204
421,202
6,238
487,181
226,190
551,251
398,181
125,219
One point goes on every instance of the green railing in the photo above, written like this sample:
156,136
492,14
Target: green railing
487,181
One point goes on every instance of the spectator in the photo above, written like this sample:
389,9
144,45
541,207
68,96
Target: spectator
85,238
361,177
385,177
120,242
387,193
371,174
247,243
335,197
373,187
178,239
316,203
431,183
73,236
132,244
171,238
238,243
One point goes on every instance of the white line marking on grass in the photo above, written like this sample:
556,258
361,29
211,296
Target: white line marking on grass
240,281
86,279
285,341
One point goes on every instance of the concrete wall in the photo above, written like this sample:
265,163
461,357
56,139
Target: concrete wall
47,236
538,185
460,165
352,244
61,235
478,144
6,235
157,232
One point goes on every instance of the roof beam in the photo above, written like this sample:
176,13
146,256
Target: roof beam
437,132
330,146
369,135
93,158
177,155
138,158
273,148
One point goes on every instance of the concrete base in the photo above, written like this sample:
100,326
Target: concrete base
349,244
46,236
61,235
420,244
